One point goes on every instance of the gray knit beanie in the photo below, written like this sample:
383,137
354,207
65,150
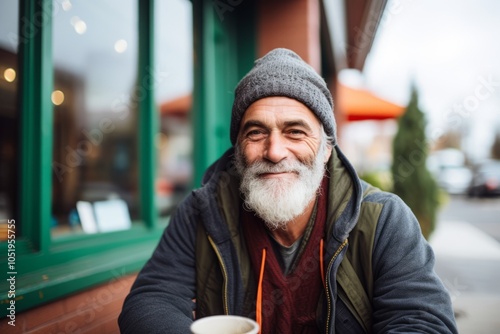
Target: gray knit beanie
282,72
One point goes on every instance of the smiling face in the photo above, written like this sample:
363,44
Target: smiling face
275,129
280,153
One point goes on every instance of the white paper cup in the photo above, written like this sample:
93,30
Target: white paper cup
224,324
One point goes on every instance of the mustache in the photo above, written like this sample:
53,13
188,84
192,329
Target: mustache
285,166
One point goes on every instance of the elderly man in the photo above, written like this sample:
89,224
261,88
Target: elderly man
283,230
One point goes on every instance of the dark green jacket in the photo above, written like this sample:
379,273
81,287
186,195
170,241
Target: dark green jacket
379,268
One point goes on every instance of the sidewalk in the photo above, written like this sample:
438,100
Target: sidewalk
468,262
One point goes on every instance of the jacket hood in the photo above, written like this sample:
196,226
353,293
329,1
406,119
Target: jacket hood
220,190
345,195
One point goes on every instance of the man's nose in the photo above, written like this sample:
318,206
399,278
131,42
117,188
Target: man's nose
276,149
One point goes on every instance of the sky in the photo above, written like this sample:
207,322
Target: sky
450,50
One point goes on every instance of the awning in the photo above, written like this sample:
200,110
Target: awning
360,104
180,106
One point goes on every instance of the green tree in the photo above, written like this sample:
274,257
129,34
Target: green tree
411,178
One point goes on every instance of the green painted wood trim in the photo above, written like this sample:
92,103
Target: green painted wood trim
36,121
89,247
224,50
23,246
56,281
204,89
75,246
148,115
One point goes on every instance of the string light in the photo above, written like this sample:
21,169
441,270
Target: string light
79,25
9,74
121,45
57,97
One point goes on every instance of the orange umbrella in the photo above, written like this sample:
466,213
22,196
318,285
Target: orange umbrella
359,104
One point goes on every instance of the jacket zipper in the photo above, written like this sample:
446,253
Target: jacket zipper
330,264
224,273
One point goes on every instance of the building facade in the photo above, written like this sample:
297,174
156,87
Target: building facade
110,112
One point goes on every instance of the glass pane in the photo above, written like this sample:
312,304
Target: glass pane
173,96
9,115
95,169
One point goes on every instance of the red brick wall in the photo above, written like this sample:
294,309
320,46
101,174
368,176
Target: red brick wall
293,24
93,311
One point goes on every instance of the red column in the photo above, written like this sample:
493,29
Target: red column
292,24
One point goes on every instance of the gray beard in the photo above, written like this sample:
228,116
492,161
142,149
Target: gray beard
279,201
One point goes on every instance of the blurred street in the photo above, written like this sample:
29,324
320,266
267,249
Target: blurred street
483,213
467,247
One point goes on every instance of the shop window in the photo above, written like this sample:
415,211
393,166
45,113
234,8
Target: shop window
78,128
173,56
9,114
95,157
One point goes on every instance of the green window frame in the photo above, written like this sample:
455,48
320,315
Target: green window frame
48,269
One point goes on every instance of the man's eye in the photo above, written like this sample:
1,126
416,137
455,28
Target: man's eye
255,133
296,133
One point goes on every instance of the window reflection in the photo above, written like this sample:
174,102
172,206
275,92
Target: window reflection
174,63
9,115
95,169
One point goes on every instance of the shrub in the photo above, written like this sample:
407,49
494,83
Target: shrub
412,181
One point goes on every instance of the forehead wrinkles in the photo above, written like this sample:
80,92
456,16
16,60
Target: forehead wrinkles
272,109
280,117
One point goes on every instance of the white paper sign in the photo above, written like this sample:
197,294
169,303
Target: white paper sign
112,215
86,214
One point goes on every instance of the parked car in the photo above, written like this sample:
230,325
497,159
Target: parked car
485,180
449,170
454,179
